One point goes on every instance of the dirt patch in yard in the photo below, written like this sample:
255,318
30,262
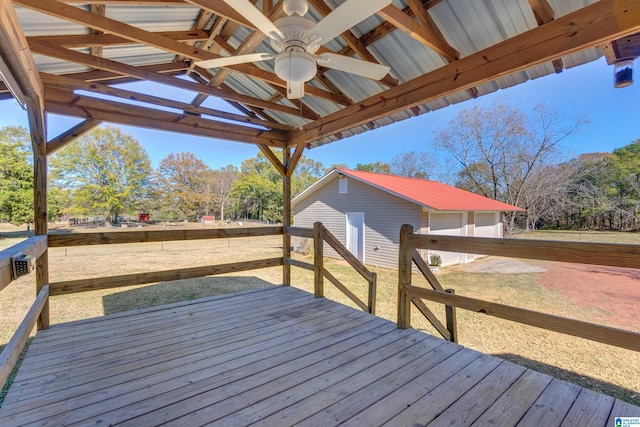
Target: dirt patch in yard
611,289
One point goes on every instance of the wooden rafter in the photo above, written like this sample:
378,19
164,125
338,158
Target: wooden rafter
71,135
131,71
61,101
98,9
102,40
544,13
70,83
423,34
590,26
353,42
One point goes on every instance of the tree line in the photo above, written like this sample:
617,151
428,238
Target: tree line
498,151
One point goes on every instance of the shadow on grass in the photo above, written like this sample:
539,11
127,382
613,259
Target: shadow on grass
600,386
177,291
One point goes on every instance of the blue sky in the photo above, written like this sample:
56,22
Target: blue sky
586,90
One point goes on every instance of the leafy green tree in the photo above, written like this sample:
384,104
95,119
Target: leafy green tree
16,175
107,172
375,167
181,183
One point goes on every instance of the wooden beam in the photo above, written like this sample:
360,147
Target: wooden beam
118,67
591,26
71,135
286,217
354,43
220,8
69,83
16,56
64,102
544,13
272,158
135,34
421,33
98,9
102,40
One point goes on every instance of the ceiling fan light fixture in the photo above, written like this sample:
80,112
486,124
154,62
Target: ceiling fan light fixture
295,66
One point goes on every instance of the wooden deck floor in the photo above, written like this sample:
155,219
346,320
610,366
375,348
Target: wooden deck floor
278,357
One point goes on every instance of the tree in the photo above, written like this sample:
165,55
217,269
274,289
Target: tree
499,149
16,175
222,182
413,165
375,167
107,172
181,182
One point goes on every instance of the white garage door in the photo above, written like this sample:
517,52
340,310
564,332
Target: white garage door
449,224
486,224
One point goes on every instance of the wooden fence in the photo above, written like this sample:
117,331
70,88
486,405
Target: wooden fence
320,235
616,255
36,247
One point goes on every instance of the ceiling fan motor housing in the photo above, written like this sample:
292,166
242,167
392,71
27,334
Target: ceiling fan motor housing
295,7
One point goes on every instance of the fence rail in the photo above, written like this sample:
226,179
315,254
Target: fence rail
320,234
616,255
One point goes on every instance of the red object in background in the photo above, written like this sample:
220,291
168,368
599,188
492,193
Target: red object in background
143,217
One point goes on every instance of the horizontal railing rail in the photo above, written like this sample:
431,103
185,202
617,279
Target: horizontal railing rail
320,234
119,237
34,246
606,254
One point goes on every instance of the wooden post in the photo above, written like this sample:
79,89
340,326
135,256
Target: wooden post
373,292
318,260
404,278
452,323
37,128
286,218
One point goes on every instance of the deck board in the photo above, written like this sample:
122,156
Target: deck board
278,356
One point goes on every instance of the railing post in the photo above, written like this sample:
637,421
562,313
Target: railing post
452,323
373,284
318,260
404,278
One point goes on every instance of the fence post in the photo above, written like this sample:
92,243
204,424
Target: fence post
404,278
318,260
373,283
452,323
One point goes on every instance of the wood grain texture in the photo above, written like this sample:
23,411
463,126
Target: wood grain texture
34,246
117,237
83,285
11,352
611,254
578,328
297,360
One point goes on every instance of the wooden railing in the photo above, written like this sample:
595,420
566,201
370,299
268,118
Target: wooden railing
81,239
617,255
320,235
34,246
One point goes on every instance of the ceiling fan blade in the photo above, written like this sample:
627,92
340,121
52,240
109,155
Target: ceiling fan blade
295,90
345,16
256,17
362,68
233,60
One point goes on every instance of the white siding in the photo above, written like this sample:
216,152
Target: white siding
384,214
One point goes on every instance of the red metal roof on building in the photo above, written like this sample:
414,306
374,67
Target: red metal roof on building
428,193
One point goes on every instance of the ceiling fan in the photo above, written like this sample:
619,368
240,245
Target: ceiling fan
297,38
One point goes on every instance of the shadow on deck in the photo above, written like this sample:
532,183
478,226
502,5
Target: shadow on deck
278,356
